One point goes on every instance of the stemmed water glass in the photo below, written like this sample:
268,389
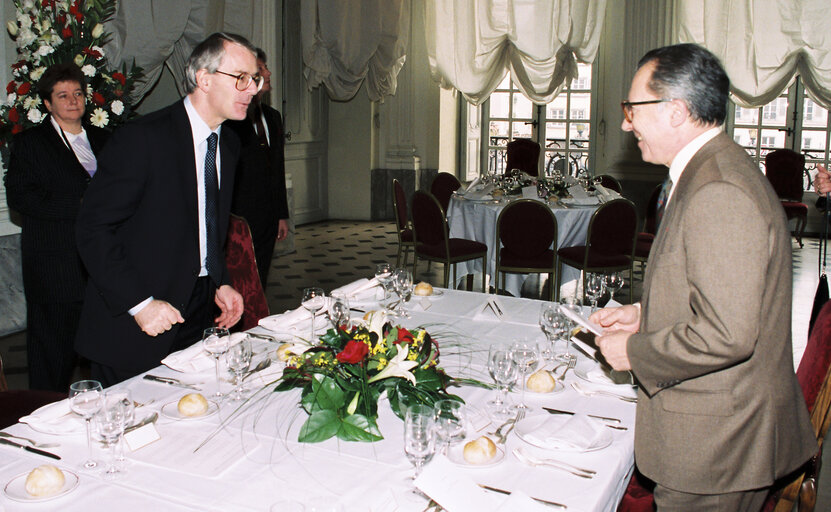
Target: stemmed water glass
527,359
419,435
215,341
402,282
550,324
504,371
85,399
383,272
110,420
569,303
339,310
313,300
613,282
594,288
451,422
126,399
239,359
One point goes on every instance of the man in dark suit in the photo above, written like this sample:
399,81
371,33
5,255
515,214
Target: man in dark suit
152,227
260,187
49,169
720,412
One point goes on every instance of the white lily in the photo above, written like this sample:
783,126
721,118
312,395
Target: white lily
375,322
398,367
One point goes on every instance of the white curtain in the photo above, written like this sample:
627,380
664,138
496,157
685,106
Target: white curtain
763,44
348,41
471,44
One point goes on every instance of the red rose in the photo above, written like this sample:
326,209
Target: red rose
79,17
16,129
61,19
118,92
66,33
11,87
353,352
73,9
95,54
120,77
404,336
98,99
14,116
24,88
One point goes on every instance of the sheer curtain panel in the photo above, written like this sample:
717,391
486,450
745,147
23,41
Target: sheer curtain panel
763,44
471,44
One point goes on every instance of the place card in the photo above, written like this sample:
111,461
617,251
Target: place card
493,306
141,436
530,192
578,192
451,488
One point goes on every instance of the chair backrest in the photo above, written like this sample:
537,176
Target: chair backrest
784,169
443,187
399,200
611,183
523,154
526,227
4,386
613,228
649,223
816,360
429,226
242,267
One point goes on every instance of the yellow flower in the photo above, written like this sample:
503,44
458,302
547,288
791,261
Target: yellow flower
382,362
398,367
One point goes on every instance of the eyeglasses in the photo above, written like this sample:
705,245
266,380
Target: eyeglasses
627,106
244,80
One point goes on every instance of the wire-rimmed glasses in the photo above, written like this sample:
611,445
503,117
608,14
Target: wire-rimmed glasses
244,80
85,399
626,106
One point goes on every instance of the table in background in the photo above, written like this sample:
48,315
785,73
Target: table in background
476,220
255,459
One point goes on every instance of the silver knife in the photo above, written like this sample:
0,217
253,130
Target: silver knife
602,418
30,449
539,500
150,419
171,381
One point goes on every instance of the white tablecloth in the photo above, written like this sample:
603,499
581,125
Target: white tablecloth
476,220
256,461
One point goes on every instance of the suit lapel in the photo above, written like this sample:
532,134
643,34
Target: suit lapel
181,140
59,146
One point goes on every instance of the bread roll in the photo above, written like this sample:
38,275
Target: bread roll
541,382
45,480
480,451
284,352
193,404
423,288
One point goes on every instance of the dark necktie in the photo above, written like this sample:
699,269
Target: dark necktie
663,196
212,211
258,124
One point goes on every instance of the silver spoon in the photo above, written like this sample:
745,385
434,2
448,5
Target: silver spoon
262,365
33,442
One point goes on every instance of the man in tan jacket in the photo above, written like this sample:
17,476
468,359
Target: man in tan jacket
720,412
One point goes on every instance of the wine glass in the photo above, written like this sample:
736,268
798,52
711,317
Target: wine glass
451,421
572,304
594,288
402,282
85,399
239,359
419,435
313,301
613,282
550,324
527,359
110,420
383,272
129,416
215,342
504,372
339,310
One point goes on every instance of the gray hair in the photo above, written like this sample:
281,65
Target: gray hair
208,54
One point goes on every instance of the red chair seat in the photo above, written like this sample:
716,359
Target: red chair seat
596,259
407,235
643,245
459,249
795,208
540,261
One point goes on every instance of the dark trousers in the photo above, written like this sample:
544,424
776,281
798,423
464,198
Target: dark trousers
199,314
50,341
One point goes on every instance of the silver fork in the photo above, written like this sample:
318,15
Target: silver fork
519,416
593,392
563,466
572,362
31,441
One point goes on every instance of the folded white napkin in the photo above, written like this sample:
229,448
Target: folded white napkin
470,187
55,418
292,323
190,360
362,289
267,376
579,432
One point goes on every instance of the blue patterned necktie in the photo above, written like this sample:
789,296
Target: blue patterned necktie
662,202
211,211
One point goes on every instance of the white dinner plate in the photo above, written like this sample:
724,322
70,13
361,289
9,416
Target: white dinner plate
171,410
436,294
16,488
525,428
456,454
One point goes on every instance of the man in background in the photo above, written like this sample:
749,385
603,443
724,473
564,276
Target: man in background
720,413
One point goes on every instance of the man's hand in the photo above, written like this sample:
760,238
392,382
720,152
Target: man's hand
282,230
158,317
613,347
624,318
822,181
230,306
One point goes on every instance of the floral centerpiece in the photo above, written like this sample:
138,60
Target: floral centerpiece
345,375
52,31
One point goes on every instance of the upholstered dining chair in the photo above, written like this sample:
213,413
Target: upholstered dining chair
643,243
403,228
443,186
814,376
242,267
433,242
610,182
610,243
784,169
523,154
17,403
526,229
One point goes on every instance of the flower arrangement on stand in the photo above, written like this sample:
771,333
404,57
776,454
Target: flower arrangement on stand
345,375
53,31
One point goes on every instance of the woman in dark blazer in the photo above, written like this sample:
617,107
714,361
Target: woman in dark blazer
50,167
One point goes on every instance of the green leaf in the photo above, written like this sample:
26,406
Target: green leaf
428,379
324,394
357,427
320,426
